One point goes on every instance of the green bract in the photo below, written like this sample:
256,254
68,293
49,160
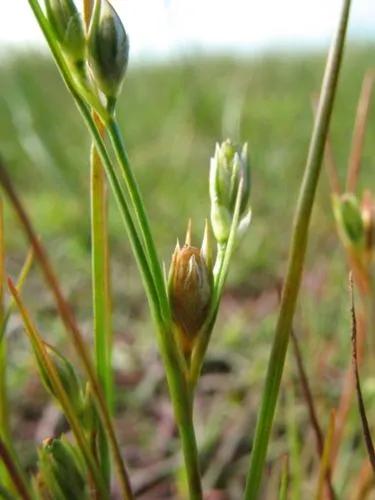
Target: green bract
229,167
67,24
349,220
108,49
68,377
61,470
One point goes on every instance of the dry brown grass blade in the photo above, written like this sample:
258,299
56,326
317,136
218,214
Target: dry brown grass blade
361,405
69,321
307,394
364,483
359,131
325,460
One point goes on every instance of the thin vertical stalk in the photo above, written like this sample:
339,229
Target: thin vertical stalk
296,259
359,131
4,410
101,293
325,460
141,215
101,287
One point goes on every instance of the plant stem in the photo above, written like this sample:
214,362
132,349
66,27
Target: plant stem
183,409
4,411
101,295
140,212
296,259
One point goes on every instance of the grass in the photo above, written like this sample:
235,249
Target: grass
187,106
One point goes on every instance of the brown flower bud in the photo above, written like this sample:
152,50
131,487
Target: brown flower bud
190,292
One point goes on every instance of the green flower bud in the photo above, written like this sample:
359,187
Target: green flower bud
349,220
67,24
67,374
62,470
108,47
190,292
228,167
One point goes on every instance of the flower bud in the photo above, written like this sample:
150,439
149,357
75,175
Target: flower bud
190,293
62,471
67,374
108,46
66,23
349,220
228,167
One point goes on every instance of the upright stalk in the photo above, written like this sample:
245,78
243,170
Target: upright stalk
296,258
101,294
140,213
4,417
101,288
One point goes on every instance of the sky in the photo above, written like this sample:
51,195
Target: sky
163,28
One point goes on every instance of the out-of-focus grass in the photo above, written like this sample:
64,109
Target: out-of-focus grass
172,114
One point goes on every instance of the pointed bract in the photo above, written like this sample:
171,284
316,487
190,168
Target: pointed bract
67,25
207,246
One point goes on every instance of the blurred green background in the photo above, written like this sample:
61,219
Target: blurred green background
171,115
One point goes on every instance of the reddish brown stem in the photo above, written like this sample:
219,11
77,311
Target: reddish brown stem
359,131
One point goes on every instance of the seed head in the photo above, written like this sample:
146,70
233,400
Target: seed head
108,49
229,166
67,25
190,292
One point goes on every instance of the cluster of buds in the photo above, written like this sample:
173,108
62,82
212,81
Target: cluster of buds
190,286
106,48
356,223
229,170
61,471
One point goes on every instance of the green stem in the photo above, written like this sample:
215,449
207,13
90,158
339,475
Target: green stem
140,212
101,295
183,410
4,411
296,259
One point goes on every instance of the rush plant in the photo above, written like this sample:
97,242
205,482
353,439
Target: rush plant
91,51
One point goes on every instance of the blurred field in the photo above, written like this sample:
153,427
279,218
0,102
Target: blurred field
172,115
